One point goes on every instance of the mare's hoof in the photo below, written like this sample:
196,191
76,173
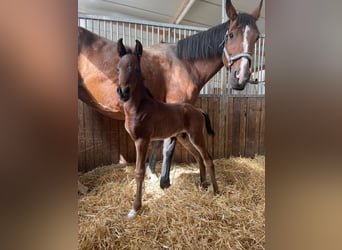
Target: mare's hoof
132,214
205,185
164,183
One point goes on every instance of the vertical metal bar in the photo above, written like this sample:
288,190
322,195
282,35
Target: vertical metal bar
111,30
259,59
123,32
129,34
117,31
164,35
135,31
158,32
263,57
174,35
169,39
141,33
152,30
105,29
147,35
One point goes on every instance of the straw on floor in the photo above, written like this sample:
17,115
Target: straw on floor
184,216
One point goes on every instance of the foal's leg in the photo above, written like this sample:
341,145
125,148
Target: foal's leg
168,149
153,160
141,146
197,139
188,146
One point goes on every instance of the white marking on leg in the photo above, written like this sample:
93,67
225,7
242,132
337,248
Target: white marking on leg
132,214
153,177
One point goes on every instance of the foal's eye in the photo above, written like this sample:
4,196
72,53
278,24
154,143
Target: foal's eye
117,70
231,35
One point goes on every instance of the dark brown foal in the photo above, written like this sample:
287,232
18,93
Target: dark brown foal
148,119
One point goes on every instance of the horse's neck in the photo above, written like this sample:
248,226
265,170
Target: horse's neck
203,70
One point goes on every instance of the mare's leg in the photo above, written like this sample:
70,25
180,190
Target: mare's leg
197,139
184,140
153,160
141,146
168,149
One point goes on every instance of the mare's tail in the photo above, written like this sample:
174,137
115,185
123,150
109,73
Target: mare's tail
208,125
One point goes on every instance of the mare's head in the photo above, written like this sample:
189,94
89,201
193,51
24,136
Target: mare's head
128,69
239,44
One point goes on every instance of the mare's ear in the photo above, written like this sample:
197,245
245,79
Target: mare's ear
256,12
121,48
230,10
138,49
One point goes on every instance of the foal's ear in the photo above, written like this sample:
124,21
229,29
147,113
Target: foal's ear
138,49
256,12
230,10
121,48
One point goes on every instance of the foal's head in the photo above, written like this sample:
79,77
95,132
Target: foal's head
239,44
128,69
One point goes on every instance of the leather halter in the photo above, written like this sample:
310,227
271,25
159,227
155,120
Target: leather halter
232,59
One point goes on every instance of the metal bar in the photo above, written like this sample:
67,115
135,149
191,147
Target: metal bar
152,30
129,34
127,20
117,31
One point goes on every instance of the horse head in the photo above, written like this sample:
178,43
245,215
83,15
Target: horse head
239,44
128,69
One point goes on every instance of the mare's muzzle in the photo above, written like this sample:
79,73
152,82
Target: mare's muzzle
123,93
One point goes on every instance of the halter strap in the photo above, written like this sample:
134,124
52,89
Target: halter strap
232,59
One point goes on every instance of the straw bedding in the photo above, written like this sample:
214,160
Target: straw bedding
184,216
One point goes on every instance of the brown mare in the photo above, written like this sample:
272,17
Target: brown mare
147,119
173,72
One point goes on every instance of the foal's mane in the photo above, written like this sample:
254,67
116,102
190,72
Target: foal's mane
204,44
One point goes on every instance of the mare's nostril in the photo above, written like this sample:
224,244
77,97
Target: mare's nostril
236,73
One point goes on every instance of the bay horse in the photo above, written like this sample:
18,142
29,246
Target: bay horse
147,119
173,72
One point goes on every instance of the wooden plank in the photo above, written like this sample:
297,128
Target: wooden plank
250,149
236,127
257,125
81,138
243,125
98,143
114,141
216,116
223,136
106,141
262,128
89,139
229,127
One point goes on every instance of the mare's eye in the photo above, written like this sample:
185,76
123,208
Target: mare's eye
231,35
117,70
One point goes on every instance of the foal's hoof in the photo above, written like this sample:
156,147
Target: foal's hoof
152,176
164,183
132,214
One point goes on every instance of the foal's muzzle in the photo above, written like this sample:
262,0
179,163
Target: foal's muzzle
123,93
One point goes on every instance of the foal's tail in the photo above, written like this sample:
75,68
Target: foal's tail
208,125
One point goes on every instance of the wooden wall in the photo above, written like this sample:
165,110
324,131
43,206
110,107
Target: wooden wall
238,122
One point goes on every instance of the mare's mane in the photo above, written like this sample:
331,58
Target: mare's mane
204,44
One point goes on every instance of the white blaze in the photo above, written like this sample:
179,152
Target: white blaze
244,61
